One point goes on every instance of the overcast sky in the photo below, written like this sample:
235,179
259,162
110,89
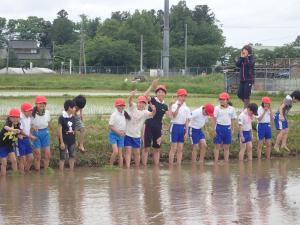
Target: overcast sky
270,22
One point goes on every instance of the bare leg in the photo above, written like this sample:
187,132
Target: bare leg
145,153
47,157
156,156
22,164
29,160
179,153
81,139
249,150
278,140
284,139
226,152
195,149
259,149
3,166
268,148
242,151
37,159
217,152
114,154
172,152
61,165
203,147
128,156
137,156
71,163
120,156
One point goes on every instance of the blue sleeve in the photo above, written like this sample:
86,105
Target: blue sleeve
239,62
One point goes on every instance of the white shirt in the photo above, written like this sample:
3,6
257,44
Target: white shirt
183,115
245,120
224,115
135,124
41,122
118,121
267,116
25,124
198,120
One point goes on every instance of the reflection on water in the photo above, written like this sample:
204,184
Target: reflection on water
266,192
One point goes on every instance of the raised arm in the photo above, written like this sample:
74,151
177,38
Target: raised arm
153,84
133,93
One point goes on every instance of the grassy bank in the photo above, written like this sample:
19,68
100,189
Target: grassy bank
99,149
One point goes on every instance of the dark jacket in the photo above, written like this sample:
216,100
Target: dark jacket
246,66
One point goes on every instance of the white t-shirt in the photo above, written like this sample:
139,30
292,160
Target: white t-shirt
245,120
224,115
198,120
183,115
41,122
117,120
25,124
267,116
135,124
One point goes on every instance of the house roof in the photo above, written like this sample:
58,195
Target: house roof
23,44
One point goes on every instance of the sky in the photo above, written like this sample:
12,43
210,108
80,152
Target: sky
270,22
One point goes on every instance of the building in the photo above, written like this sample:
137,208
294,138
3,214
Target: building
26,50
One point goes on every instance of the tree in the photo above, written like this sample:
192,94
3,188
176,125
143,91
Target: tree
62,30
202,13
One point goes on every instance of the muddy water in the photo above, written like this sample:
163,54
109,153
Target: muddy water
266,192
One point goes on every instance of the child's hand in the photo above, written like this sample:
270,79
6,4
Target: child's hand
154,82
215,133
35,129
186,136
281,117
133,93
16,131
122,133
153,107
242,139
33,138
158,141
62,146
20,137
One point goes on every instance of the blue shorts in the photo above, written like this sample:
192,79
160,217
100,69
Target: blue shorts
132,142
264,131
42,138
195,135
247,136
4,151
24,146
280,125
114,138
177,133
223,135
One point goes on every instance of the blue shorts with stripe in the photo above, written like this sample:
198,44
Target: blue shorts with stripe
224,135
280,125
196,135
177,132
42,138
24,146
132,142
264,131
115,138
247,136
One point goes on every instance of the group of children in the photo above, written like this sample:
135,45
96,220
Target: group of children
30,126
126,127
141,125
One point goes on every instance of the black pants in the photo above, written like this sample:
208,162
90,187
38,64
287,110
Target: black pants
152,133
244,91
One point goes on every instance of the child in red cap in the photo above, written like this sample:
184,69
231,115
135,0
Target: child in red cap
8,137
138,115
25,149
199,117
179,126
40,123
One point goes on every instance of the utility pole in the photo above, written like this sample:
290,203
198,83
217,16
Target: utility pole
7,57
53,56
82,48
185,50
142,49
166,41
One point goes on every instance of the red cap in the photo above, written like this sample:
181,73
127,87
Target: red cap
40,99
120,102
266,100
14,112
161,87
142,99
181,92
26,106
209,109
224,96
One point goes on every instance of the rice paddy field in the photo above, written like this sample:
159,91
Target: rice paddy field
101,91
